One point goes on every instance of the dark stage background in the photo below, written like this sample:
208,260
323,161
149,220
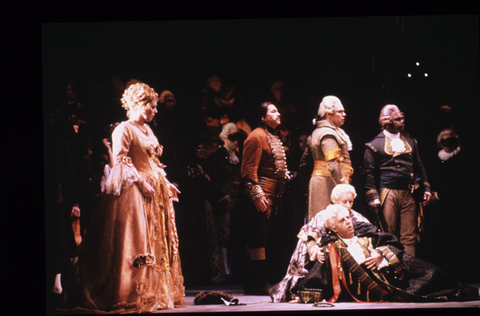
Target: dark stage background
362,60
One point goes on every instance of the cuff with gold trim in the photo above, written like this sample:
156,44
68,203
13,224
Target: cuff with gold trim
254,191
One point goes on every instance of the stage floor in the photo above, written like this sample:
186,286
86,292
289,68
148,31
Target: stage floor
263,304
252,304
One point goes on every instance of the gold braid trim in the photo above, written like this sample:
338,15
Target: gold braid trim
279,156
393,261
383,195
254,191
358,271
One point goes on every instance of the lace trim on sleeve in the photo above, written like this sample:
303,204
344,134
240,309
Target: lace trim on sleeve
122,176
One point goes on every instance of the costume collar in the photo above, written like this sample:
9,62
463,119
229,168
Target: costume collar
444,156
340,132
390,135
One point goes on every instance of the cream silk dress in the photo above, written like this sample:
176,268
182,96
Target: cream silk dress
126,230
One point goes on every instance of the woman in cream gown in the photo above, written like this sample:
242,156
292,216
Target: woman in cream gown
129,259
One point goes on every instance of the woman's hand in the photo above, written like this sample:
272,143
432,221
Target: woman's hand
107,143
147,190
173,192
374,260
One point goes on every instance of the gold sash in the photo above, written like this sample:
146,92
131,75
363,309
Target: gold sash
320,168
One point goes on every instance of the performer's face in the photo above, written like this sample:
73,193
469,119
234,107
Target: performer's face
344,226
71,92
302,142
231,141
149,111
448,143
346,200
338,116
272,118
170,102
398,122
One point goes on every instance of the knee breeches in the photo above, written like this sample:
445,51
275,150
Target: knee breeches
399,216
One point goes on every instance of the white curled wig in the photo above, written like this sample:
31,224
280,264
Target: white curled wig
339,190
328,105
446,132
138,94
330,215
227,129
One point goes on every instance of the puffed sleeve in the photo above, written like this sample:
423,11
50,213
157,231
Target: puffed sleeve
123,173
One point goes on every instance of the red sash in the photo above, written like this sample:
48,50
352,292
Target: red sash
336,263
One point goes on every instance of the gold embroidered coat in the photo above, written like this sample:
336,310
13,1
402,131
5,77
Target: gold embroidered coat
264,165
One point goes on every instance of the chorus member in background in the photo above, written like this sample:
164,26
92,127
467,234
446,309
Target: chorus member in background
225,173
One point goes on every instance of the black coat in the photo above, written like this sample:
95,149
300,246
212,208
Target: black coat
384,169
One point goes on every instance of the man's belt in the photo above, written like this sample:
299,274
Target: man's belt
320,168
272,187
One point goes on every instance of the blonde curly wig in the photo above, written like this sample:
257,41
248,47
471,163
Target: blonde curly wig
138,94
